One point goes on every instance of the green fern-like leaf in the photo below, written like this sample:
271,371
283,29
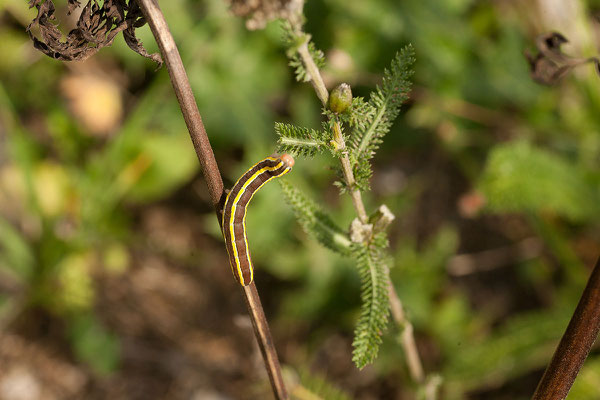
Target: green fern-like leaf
375,301
299,141
374,119
315,387
386,101
314,220
520,177
361,112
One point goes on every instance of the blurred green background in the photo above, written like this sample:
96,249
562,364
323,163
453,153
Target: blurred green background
114,282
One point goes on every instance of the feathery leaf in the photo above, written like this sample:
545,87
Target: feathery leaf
520,177
374,294
374,119
314,220
314,387
299,141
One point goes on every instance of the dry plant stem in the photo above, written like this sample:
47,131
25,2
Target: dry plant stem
267,348
408,340
432,387
210,169
574,345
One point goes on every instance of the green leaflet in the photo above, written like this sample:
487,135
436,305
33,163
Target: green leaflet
299,141
314,220
314,387
16,254
375,302
519,177
93,343
375,118
371,268
523,343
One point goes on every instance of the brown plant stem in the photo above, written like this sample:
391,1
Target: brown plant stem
575,344
210,170
407,336
408,342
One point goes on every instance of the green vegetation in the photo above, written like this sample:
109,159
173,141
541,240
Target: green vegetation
107,235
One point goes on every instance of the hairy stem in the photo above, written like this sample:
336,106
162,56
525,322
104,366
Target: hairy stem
210,170
349,175
408,342
313,73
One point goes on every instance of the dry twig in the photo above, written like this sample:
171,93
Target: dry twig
182,88
575,344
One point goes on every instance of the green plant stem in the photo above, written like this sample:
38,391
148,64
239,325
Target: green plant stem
210,170
313,72
408,342
349,175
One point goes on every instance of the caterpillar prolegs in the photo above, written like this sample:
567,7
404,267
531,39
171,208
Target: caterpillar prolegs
234,212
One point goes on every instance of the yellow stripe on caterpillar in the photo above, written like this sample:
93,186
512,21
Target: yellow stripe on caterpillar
234,212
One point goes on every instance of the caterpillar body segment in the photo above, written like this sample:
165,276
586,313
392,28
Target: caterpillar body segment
234,212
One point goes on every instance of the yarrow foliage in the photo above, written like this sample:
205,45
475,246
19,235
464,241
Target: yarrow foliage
375,302
375,118
300,141
367,123
315,221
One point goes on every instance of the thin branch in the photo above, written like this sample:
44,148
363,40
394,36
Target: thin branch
407,336
575,344
210,170
487,260
432,387
349,175
313,73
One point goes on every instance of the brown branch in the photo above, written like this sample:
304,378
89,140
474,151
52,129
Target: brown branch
574,345
210,170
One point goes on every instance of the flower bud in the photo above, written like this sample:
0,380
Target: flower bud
340,98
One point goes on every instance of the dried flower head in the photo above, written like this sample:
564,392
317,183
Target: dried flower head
259,12
550,64
97,27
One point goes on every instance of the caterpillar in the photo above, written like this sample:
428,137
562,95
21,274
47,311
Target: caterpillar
234,212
